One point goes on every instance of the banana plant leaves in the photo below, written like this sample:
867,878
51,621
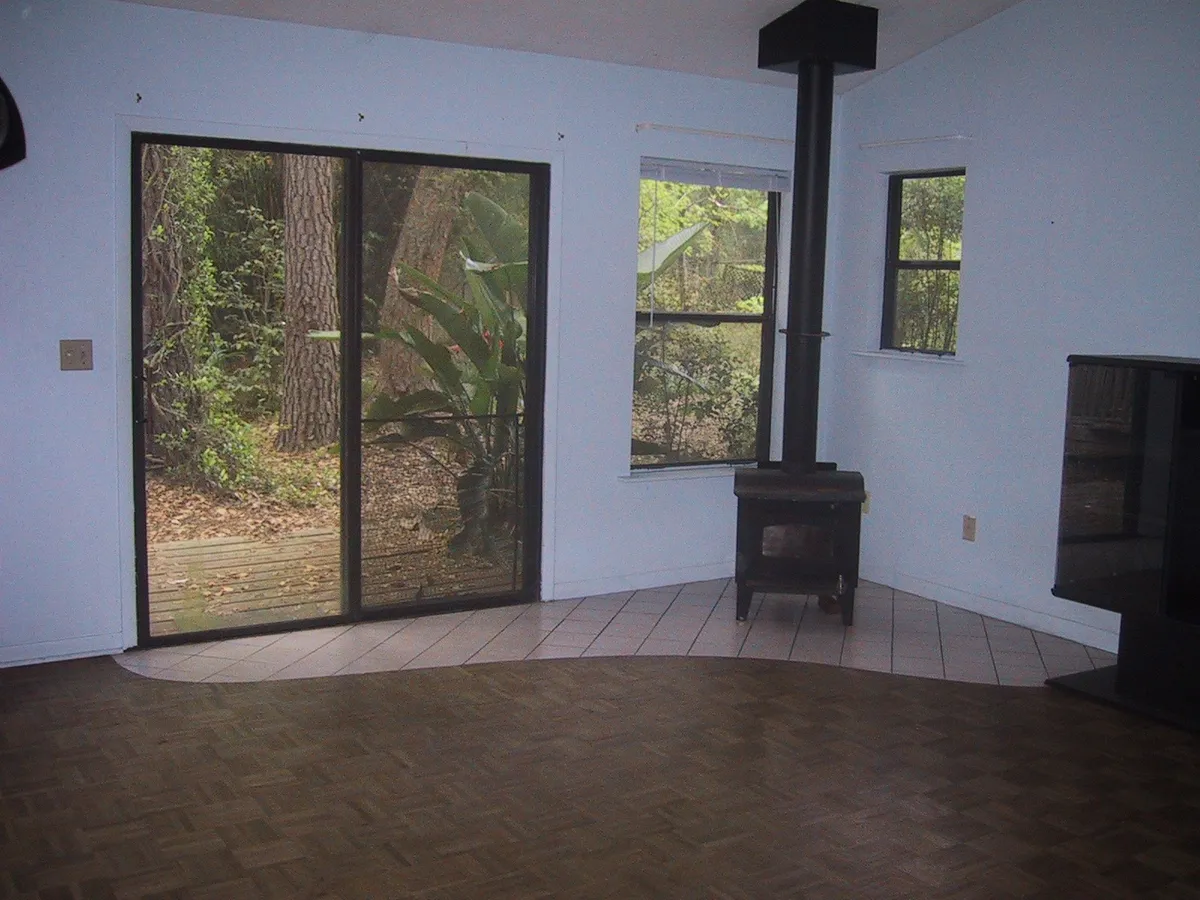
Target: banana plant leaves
476,390
658,256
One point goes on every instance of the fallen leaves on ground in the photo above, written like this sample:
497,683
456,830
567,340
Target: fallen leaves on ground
179,512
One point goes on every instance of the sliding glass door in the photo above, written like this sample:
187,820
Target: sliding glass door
338,360
444,381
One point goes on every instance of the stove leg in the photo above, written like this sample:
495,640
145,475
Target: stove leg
847,604
743,602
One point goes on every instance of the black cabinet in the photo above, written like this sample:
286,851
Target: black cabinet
1129,522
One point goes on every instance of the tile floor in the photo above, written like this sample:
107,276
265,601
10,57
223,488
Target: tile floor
893,632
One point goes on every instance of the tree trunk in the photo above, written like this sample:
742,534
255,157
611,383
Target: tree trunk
168,402
423,243
311,388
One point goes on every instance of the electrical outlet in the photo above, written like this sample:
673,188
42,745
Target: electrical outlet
968,528
866,504
75,356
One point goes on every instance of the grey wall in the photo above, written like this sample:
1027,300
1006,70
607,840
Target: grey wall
1078,125
76,68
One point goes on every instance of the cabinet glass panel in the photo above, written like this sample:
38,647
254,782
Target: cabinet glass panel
1116,484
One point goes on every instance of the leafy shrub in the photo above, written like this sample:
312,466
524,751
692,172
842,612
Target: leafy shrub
695,397
214,364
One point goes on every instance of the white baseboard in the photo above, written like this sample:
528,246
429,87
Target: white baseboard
50,651
1069,629
635,581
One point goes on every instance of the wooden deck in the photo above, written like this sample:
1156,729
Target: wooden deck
231,582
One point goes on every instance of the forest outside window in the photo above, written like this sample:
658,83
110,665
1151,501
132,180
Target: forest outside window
924,255
705,304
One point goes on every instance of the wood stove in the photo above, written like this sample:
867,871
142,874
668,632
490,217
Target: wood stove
798,533
798,519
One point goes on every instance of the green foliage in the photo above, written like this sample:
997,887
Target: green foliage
751,305
738,420
696,388
931,218
926,300
229,459
700,402
667,207
721,265
478,375
926,310
230,302
248,256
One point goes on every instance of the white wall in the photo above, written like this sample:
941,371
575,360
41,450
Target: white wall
77,67
1081,136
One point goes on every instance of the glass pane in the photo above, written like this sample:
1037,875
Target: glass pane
931,218
443,381
926,310
435,524
239,301
695,392
701,248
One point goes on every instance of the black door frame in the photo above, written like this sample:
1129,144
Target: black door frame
351,393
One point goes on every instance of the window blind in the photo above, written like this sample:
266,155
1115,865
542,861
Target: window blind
715,174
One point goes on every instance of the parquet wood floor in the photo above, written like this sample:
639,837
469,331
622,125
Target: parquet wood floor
585,778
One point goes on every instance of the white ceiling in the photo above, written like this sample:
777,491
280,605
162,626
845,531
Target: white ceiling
705,37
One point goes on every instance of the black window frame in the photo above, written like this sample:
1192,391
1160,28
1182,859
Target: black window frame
766,368
893,264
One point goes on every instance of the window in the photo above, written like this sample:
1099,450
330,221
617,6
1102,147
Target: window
339,361
924,253
705,307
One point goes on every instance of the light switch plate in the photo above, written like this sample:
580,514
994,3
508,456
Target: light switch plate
75,355
969,528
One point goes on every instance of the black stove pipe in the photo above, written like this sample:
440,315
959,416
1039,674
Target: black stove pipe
815,41
806,280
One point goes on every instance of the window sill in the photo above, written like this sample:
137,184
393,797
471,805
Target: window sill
927,358
682,473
